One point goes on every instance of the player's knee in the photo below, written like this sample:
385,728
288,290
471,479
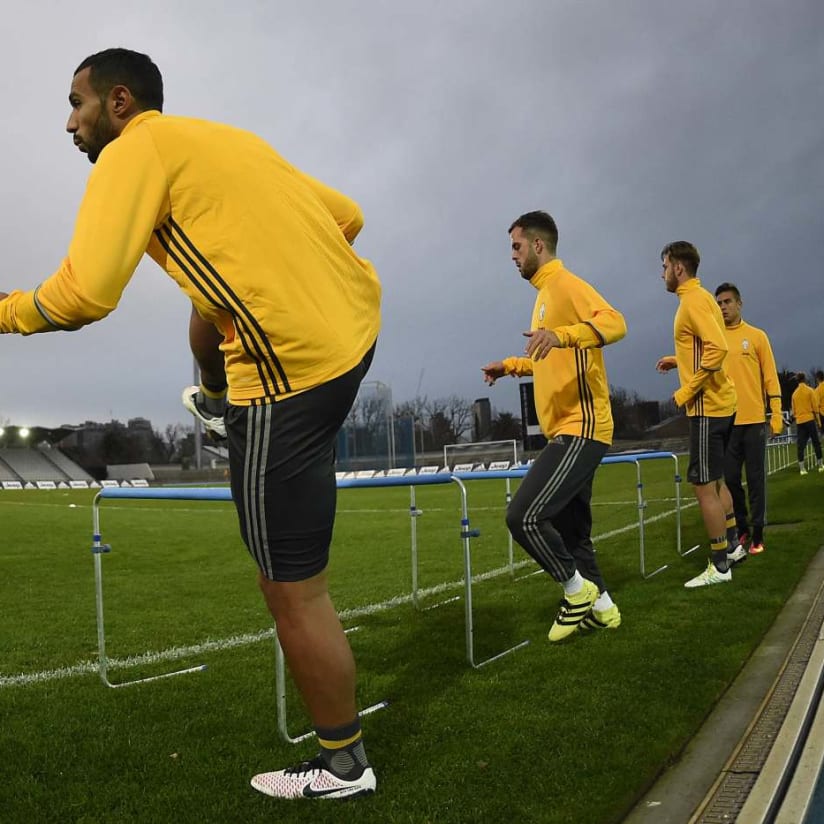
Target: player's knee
285,598
515,519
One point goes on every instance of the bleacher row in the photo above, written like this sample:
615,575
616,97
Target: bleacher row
24,465
71,484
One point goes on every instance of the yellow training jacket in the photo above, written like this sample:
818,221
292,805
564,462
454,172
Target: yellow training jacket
700,349
571,386
262,249
751,366
819,394
805,404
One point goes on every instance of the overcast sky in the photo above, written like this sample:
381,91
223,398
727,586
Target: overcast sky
634,122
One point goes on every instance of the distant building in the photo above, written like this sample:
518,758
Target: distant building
481,419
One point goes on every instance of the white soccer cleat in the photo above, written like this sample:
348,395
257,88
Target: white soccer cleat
311,779
708,577
213,425
737,555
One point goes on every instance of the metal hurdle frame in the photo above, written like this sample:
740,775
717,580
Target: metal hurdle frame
778,453
466,535
99,549
224,494
634,458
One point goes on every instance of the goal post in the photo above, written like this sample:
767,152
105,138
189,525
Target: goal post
469,455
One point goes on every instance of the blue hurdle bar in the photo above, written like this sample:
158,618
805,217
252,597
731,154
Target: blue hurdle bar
224,494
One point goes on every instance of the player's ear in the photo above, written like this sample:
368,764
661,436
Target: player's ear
120,100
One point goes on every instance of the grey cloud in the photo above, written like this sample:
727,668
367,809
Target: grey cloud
635,123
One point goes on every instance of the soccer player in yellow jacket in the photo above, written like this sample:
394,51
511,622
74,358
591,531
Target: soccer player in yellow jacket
819,395
550,515
264,253
708,396
807,421
751,366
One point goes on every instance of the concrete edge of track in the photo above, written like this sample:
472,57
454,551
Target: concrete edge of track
683,787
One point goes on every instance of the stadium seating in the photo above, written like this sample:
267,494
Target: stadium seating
32,465
65,464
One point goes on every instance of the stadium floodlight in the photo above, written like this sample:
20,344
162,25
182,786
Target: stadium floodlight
24,432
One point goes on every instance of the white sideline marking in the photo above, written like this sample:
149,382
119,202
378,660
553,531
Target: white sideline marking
246,639
222,510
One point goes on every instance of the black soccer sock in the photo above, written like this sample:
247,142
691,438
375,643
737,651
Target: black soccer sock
732,530
758,535
212,399
341,749
718,551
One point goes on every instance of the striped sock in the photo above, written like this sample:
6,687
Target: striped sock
732,530
718,550
341,749
212,399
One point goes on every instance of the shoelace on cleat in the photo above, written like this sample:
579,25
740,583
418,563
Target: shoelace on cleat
313,766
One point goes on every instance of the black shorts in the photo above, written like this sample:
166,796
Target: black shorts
708,443
282,463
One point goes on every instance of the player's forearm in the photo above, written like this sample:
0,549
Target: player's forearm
521,367
774,402
712,358
692,387
605,327
18,313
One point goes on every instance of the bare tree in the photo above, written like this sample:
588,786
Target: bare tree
418,408
351,421
172,438
451,417
373,412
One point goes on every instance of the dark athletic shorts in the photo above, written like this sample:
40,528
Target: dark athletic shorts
708,443
282,463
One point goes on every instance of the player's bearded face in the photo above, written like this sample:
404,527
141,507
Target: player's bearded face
668,274
530,264
89,122
101,134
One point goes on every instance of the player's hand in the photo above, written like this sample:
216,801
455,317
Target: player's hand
541,342
666,363
776,424
493,371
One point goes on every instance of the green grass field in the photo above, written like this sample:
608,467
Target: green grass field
571,732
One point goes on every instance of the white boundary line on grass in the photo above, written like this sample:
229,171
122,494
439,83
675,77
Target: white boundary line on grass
246,639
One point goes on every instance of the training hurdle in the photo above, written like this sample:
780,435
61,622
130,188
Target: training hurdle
224,494
636,458
778,453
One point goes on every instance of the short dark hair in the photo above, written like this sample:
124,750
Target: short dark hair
819,375
728,287
538,223
123,67
800,377
685,253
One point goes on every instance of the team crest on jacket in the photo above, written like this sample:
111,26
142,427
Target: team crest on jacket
542,311
745,344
